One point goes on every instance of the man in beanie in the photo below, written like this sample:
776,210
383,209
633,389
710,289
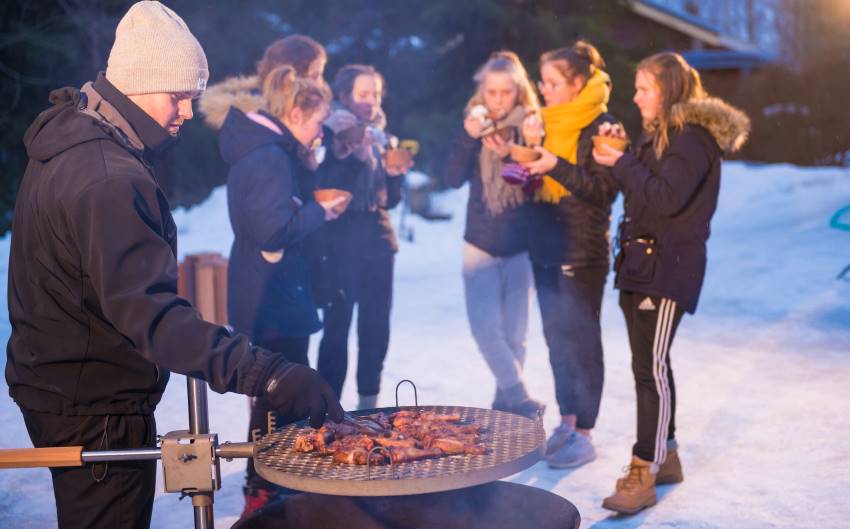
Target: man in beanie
96,321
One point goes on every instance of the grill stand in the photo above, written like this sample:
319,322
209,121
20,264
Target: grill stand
191,459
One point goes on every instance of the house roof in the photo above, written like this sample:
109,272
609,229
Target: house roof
726,59
689,25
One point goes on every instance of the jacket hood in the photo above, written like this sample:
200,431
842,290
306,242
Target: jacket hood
729,126
240,135
61,127
240,92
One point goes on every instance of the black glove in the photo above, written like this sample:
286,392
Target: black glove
295,390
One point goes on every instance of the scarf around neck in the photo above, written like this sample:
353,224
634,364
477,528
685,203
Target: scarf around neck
497,193
563,124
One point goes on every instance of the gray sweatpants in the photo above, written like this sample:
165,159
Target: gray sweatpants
498,294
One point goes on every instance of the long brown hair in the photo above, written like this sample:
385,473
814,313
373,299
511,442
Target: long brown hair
581,59
283,90
677,83
506,62
298,51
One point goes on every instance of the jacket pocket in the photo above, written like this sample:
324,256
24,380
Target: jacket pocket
639,256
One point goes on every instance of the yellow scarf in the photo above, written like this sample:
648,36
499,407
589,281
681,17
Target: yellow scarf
563,125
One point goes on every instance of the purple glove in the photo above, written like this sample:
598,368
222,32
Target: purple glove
533,184
515,174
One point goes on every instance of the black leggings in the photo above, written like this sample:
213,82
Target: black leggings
570,300
263,416
369,284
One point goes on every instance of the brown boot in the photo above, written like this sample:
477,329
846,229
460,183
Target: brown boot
635,490
671,470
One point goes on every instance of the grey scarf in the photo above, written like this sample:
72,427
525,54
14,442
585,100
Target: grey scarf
498,194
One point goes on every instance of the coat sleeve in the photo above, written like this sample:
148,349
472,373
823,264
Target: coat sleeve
394,190
267,205
684,166
590,182
119,226
461,159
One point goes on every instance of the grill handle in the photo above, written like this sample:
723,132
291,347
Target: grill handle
63,456
369,461
415,394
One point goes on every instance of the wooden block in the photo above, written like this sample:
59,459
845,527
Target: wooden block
205,289
221,291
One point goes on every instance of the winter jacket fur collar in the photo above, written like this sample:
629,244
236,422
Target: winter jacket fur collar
243,93
728,126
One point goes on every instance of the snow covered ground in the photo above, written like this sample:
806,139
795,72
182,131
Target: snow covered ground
763,369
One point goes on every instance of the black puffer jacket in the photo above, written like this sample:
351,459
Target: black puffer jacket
575,231
271,205
96,320
502,235
669,202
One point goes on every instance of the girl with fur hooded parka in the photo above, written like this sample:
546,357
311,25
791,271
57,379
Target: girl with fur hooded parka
244,109
496,271
671,182
361,244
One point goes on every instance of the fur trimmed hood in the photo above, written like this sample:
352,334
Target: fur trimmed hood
240,92
729,125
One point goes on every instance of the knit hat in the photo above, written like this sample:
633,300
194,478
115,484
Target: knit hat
154,52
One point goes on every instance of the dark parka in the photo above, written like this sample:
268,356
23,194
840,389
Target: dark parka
669,201
366,234
96,320
271,205
502,235
575,231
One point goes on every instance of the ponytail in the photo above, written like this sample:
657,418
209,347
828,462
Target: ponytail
283,90
582,59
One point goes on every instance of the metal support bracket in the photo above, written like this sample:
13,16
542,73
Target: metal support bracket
189,462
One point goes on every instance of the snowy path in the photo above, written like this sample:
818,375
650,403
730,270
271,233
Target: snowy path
762,370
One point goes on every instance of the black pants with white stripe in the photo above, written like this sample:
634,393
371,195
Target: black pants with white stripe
652,322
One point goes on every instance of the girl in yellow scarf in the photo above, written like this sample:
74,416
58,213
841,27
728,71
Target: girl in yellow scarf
568,242
576,103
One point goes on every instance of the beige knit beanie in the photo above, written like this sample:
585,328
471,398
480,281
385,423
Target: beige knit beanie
154,51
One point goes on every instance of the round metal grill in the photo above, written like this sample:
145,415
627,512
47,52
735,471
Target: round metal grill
515,443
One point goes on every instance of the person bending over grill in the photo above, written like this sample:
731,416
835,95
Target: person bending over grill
96,321
258,208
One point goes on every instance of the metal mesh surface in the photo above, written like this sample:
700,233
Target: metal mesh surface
514,444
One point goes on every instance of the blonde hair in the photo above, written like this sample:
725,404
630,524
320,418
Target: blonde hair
283,90
505,62
677,83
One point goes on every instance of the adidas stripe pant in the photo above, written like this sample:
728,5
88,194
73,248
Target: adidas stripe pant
652,322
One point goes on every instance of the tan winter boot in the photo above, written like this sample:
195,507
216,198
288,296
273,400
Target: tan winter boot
671,470
635,491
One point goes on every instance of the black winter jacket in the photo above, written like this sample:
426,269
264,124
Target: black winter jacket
669,203
357,233
271,206
575,231
502,235
96,320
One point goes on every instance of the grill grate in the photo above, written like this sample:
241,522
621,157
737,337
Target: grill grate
515,443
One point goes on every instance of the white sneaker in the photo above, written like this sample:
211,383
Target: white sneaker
577,451
560,436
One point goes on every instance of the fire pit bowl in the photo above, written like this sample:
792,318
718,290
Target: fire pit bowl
496,505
